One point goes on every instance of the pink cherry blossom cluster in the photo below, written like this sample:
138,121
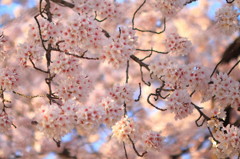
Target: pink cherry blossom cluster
177,45
179,103
120,47
122,93
65,64
225,90
5,122
89,118
75,87
56,10
198,77
179,76
227,20
153,140
29,50
81,32
169,8
103,8
55,121
228,138
113,111
9,78
124,128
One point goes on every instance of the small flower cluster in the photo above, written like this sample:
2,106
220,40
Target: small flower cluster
5,122
124,128
227,20
178,45
103,8
153,140
169,8
180,104
120,47
65,64
9,78
198,77
176,76
169,71
113,111
55,121
76,87
82,32
89,118
29,50
56,10
225,90
122,93
228,137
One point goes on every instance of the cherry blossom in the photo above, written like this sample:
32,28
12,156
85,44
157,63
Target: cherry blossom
180,104
227,21
178,45
153,140
123,129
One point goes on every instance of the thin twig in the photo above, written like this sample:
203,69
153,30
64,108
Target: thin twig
98,19
148,100
34,66
152,50
127,69
135,149
125,150
58,143
233,67
216,67
40,32
140,92
27,96
147,83
82,56
136,59
150,31
125,109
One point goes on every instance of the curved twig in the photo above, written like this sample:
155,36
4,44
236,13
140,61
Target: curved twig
150,31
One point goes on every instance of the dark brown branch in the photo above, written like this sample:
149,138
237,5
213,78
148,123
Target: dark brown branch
228,1
40,32
125,109
82,56
190,1
200,112
147,83
152,50
125,150
34,66
58,143
233,67
98,19
148,100
148,56
135,149
212,135
64,3
127,73
136,59
27,96
150,31
140,93
216,67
